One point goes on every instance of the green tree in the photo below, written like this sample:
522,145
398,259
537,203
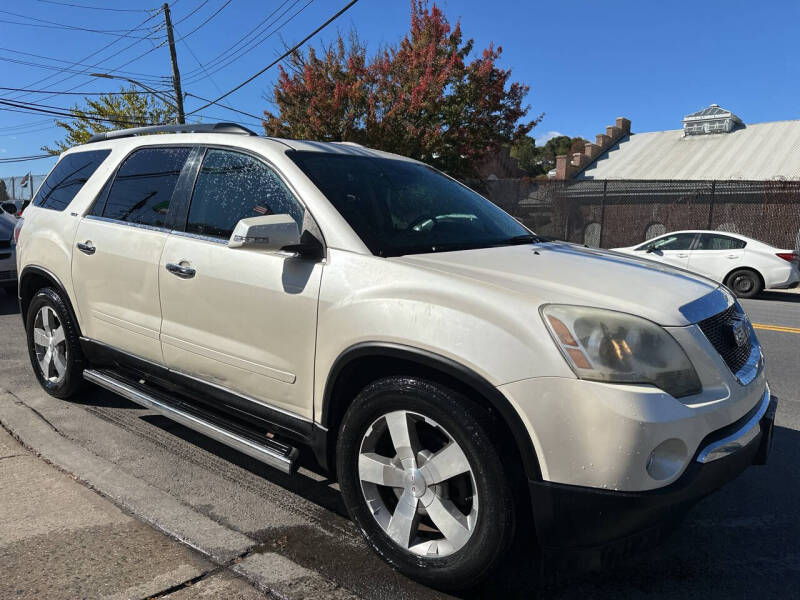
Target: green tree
428,97
130,108
528,156
538,160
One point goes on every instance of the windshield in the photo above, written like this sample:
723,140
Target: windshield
399,207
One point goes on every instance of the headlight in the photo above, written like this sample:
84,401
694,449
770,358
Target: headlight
605,345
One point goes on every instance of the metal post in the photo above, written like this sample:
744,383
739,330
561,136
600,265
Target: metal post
176,74
603,213
711,205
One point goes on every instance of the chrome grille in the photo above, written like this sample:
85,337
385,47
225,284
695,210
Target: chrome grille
719,331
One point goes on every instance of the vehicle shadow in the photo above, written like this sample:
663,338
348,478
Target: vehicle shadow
778,296
742,540
8,304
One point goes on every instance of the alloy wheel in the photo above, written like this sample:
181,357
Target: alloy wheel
418,484
50,345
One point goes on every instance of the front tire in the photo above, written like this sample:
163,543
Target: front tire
745,283
53,344
423,481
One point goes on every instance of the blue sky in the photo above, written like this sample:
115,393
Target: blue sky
586,62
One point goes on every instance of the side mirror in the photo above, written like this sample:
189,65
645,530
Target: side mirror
270,232
651,249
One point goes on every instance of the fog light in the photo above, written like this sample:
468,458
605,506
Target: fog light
667,459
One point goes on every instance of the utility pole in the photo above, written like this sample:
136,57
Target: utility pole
176,74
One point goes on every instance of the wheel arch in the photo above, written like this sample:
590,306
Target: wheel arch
367,361
745,268
34,278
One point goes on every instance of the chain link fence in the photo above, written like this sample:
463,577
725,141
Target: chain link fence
20,188
615,213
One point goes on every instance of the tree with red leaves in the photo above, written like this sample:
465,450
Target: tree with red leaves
424,98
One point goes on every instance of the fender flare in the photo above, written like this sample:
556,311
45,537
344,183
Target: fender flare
431,360
55,282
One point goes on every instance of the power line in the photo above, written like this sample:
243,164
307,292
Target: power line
243,42
15,159
73,63
95,53
136,10
280,58
236,110
198,7
219,10
64,93
61,112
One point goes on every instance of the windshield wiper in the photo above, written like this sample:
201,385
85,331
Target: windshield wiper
527,238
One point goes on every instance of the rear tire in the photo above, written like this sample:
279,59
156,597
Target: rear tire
745,283
442,519
53,344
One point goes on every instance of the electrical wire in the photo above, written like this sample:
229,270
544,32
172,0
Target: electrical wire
15,159
233,52
72,63
280,58
95,53
136,10
64,93
236,110
219,10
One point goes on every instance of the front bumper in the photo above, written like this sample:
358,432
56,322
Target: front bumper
590,527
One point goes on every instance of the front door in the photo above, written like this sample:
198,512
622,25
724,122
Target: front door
118,249
672,249
240,318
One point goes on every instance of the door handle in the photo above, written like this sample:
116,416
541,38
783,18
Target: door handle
87,247
181,271
732,256
683,256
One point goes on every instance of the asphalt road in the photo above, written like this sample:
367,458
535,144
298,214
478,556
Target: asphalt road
743,541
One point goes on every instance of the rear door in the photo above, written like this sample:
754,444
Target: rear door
671,249
715,255
240,318
118,248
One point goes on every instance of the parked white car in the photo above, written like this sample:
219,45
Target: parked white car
8,256
455,372
745,265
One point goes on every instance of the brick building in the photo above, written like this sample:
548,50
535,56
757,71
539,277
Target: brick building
716,172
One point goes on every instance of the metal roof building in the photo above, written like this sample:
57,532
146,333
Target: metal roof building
714,144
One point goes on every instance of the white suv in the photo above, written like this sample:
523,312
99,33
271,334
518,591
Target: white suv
459,373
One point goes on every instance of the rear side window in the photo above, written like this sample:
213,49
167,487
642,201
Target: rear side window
710,241
67,178
233,186
143,186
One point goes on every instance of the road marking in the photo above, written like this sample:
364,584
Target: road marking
777,328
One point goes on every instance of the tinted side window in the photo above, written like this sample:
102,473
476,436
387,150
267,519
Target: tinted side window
710,241
143,187
67,178
677,241
233,186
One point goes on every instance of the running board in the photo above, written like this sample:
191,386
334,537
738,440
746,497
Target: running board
271,452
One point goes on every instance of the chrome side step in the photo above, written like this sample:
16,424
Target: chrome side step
284,461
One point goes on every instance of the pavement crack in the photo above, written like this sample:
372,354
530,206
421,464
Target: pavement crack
184,584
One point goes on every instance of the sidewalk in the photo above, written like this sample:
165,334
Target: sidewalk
59,539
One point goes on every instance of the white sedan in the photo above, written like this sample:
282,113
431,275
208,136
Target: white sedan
745,265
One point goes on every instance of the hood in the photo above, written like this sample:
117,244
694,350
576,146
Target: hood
556,272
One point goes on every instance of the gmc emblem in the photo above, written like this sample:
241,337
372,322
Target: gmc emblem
739,328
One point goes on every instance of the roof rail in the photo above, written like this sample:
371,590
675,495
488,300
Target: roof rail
186,128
